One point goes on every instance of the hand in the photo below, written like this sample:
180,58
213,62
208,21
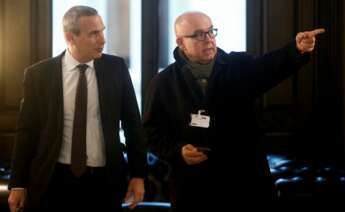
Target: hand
191,155
135,192
305,41
16,199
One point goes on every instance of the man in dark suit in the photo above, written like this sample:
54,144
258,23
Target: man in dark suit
199,117
51,171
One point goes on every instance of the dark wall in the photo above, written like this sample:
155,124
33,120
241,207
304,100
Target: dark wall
25,38
304,115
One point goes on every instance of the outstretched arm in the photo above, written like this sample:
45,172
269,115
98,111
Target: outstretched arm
305,41
269,70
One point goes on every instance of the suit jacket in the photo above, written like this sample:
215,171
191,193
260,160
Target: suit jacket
237,79
40,125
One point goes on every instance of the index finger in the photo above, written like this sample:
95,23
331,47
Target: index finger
317,31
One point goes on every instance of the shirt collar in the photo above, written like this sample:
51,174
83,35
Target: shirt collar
70,63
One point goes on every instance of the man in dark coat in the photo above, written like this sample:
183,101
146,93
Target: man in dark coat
199,117
47,172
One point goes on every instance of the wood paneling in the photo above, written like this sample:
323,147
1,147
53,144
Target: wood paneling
41,30
25,38
343,71
272,24
1,53
309,106
322,134
15,49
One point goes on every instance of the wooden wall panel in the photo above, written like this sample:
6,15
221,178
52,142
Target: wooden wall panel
277,108
278,30
309,105
41,30
343,78
16,49
25,38
305,20
1,53
15,56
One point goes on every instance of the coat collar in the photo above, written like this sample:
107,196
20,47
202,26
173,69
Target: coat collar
220,57
56,95
193,88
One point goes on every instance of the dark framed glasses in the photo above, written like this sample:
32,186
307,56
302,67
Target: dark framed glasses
201,35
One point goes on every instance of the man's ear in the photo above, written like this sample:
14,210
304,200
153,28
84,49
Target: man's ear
179,43
69,37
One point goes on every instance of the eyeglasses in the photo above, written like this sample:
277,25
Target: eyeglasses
201,35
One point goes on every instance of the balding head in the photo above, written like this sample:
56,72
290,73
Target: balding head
195,37
188,22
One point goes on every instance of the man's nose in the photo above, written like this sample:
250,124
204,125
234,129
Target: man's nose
102,38
208,36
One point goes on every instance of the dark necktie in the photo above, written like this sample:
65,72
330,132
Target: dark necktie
78,156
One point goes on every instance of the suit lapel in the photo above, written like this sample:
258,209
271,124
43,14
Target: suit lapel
102,87
56,97
108,91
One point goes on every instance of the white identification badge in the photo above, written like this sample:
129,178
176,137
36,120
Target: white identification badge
199,120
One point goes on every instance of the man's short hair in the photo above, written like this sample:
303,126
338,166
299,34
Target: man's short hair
71,18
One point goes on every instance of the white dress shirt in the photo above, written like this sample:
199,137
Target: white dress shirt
95,148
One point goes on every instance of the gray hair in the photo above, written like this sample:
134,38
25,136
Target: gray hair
71,18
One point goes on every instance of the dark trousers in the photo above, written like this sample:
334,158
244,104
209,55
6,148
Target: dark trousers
90,192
